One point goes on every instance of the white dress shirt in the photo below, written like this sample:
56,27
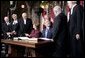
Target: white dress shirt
68,15
15,22
24,21
46,31
7,23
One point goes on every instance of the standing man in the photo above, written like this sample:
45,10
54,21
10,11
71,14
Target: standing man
59,32
6,31
75,29
6,28
25,25
15,25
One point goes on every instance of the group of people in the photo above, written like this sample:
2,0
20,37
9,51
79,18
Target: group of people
24,27
67,36
68,33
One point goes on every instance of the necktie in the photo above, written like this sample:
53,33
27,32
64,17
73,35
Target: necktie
46,33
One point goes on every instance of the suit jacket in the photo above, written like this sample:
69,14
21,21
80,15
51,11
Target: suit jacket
75,27
15,27
25,28
59,35
6,28
49,34
75,23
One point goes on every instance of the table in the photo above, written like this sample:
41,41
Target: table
33,49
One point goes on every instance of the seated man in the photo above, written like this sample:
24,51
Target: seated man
47,31
35,32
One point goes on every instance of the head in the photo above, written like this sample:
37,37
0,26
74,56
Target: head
47,23
46,17
57,10
24,15
14,16
71,3
6,19
35,27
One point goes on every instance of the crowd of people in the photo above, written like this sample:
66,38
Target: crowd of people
67,34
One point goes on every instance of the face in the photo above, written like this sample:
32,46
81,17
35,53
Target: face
14,16
69,4
6,19
24,15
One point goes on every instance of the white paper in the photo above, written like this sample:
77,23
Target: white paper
46,39
33,38
15,38
23,38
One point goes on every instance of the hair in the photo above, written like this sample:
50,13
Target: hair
5,17
57,9
14,14
24,13
37,26
74,2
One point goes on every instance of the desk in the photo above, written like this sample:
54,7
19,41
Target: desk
39,49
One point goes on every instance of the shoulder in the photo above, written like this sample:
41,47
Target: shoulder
28,19
78,7
19,20
11,22
3,23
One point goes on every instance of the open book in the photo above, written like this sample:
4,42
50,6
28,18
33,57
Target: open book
32,39
24,38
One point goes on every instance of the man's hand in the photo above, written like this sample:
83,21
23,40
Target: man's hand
27,34
13,32
8,33
77,36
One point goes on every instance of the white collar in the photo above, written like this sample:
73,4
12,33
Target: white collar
7,23
24,21
15,21
72,8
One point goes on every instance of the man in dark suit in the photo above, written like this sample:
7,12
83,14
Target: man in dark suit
6,32
59,32
15,25
6,28
75,29
25,25
47,31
